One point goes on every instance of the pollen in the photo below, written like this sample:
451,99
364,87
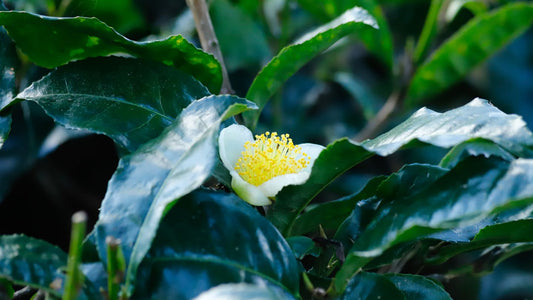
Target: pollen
269,156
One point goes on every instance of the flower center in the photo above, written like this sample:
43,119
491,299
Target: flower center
270,156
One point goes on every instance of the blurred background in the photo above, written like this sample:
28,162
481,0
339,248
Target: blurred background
49,172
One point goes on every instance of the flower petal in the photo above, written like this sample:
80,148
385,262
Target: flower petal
231,144
272,187
248,192
313,150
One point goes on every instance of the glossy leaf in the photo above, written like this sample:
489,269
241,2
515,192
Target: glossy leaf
291,58
69,39
366,286
483,36
85,95
474,147
416,287
518,231
475,189
379,42
28,261
478,119
149,181
5,128
210,238
242,291
302,246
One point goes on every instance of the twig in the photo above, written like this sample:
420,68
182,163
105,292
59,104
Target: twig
208,39
74,279
376,124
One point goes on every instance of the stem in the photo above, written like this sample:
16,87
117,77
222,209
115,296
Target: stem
115,267
382,117
74,279
208,38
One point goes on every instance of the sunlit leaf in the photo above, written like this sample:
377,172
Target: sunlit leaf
150,180
291,58
77,38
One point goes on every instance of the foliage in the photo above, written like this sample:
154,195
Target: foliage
417,199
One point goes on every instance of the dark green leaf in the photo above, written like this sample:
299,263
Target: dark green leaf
211,238
149,181
371,286
28,261
302,246
130,100
429,31
5,128
506,233
293,57
474,147
241,48
475,189
416,287
476,119
483,36
69,39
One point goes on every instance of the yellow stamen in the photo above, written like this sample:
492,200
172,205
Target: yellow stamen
270,156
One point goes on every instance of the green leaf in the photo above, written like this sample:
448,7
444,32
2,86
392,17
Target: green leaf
69,39
429,31
477,119
129,100
149,181
242,291
483,36
366,286
5,128
293,57
379,42
210,238
475,189
473,147
252,49
28,261
416,287
454,6
302,246
518,231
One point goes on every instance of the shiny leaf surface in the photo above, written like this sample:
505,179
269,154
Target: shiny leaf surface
416,287
149,181
28,261
473,190
242,291
482,37
85,95
366,286
210,238
478,119
291,58
69,39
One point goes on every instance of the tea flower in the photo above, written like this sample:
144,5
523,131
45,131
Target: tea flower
260,168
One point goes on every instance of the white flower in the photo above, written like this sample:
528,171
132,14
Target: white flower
260,168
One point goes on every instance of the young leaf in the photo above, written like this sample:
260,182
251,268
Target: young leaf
477,119
472,191
129,100
69,39
149,181
483,36
293,57
211,238
28,261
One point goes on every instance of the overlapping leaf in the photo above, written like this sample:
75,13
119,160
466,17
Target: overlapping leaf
473,190
483,36
149,181
212,238
293,57
86,95
69,39
28,261
478,119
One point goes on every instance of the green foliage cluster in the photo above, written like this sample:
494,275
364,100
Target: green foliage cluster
169,226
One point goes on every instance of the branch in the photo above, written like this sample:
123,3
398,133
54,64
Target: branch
208,39
382,117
